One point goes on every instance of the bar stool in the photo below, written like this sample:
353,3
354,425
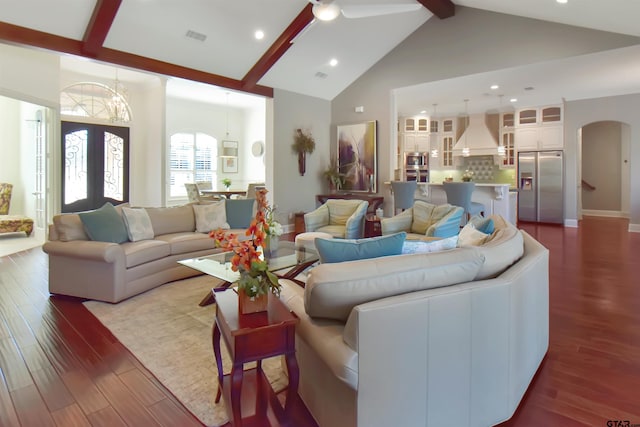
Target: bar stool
403,194
459,194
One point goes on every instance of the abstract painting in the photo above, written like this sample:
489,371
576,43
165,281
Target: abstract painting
357,156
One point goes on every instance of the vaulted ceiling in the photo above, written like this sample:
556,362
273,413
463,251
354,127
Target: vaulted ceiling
212,41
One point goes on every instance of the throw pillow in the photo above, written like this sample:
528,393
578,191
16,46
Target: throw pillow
211,217
104,225
422,213
469,236
420,247
138,224
339,250
239,212
483,224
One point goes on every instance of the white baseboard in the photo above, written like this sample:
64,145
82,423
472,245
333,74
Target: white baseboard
610,214
634,228
573,223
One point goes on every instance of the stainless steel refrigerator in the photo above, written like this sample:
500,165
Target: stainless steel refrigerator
540,186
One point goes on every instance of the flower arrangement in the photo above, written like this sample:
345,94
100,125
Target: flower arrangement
255,277
467,175
226,182
303,142
333,175
275,228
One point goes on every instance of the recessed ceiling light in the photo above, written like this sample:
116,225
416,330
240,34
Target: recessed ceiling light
513,100
333,62
562,1
259,34
494,87
423,112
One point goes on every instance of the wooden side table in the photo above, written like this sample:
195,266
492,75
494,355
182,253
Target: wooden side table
253,337
372,227
299,226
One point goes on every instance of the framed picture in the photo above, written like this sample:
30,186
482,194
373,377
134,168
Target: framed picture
230,164
357,159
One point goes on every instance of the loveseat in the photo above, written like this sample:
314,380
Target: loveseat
112,272
449,338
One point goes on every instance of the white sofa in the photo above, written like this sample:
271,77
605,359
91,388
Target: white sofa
112,272
457,355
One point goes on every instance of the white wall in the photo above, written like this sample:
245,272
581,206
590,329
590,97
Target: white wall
615,108
473,41
10,147
244,126
292,192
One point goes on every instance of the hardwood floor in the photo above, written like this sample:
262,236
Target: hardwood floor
60,367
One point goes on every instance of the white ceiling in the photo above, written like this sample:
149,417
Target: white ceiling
156,29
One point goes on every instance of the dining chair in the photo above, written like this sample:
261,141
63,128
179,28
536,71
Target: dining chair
403,194
459,194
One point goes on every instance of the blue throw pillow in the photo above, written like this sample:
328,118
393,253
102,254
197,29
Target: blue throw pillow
104,225
339,250
239,212
484,225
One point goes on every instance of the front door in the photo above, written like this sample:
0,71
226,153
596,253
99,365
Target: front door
95,166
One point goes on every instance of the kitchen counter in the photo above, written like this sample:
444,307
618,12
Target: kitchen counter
494,197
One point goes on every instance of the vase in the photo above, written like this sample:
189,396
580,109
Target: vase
302,162
248,305
271,246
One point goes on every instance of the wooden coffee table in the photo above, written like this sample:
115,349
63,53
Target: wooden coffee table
250,399
294,260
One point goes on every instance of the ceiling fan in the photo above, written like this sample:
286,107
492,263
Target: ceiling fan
327,10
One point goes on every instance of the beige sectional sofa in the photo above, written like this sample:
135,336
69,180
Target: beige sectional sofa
429,339
112,272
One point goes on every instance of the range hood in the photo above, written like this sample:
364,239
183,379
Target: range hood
477,137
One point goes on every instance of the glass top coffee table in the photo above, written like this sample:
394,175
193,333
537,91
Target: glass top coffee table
287,256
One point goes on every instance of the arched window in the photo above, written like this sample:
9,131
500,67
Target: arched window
192,158
95,100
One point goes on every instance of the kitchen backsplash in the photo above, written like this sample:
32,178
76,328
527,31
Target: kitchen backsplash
482,167
485,171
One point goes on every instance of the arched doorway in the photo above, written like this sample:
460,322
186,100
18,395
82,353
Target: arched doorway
605,185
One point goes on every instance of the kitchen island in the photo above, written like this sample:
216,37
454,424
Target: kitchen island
495,197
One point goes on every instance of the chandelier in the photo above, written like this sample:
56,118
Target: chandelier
118,106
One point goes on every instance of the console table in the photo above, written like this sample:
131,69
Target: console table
374,201
248,338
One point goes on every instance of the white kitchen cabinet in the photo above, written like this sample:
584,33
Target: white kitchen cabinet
414,134
539,128
413,142
539,138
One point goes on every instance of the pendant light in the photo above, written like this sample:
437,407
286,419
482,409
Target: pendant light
434,151
229,148
465,150
501,150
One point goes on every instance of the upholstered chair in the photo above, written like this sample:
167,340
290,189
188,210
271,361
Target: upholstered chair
425,221
5,197
459,194
192,192
403,194
339,217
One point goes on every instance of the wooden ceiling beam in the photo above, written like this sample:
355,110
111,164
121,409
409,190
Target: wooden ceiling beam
96,33
14,34
441,8
278,48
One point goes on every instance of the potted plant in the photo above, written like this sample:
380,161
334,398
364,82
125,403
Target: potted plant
256,281
227,183
333,175
303,143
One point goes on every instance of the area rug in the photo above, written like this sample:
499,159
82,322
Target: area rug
170,335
